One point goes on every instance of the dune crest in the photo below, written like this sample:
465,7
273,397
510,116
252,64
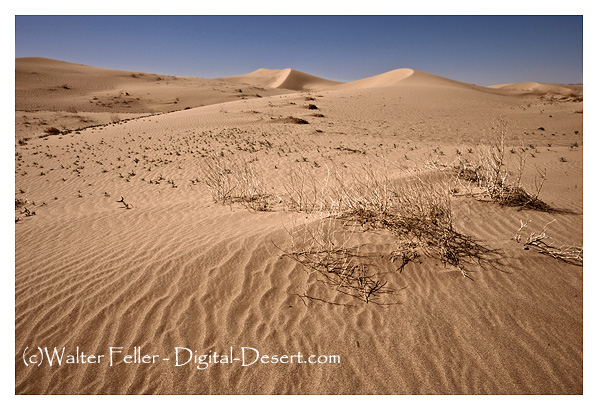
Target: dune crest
284,79
405,77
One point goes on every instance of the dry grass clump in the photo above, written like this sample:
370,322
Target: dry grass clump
492,177
236,181
306,192
542,243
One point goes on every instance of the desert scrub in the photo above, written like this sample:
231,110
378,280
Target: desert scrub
236,181
488,173
323,247
415,210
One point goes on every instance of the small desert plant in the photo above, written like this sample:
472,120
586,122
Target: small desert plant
305,192
20,202
52,131
416,209
542,243
126,205
295,120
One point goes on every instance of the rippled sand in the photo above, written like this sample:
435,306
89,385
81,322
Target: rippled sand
178,270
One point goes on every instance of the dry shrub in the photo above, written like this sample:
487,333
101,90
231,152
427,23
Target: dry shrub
323,246
416,210
305,192
489,173
542,243
236,181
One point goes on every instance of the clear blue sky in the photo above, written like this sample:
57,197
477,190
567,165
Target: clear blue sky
483,50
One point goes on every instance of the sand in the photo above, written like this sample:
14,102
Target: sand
179,270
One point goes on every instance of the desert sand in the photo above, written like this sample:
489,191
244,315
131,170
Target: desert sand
119,242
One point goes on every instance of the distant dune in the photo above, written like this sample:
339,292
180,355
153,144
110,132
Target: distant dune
410,77
46,84
532,87
285,79
405,76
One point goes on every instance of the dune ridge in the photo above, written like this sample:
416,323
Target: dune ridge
406,77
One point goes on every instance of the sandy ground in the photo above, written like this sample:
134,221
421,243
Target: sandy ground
177,269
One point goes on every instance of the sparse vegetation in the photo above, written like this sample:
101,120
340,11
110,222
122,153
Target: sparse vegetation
542,243
492,178
235,181
414,210
20,202
52,131
295,120
322,247
126,205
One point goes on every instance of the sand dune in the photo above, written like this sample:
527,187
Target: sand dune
52,93
574,91
405,77
285,79
45,84
178,269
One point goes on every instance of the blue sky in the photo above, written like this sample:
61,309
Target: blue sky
483,50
